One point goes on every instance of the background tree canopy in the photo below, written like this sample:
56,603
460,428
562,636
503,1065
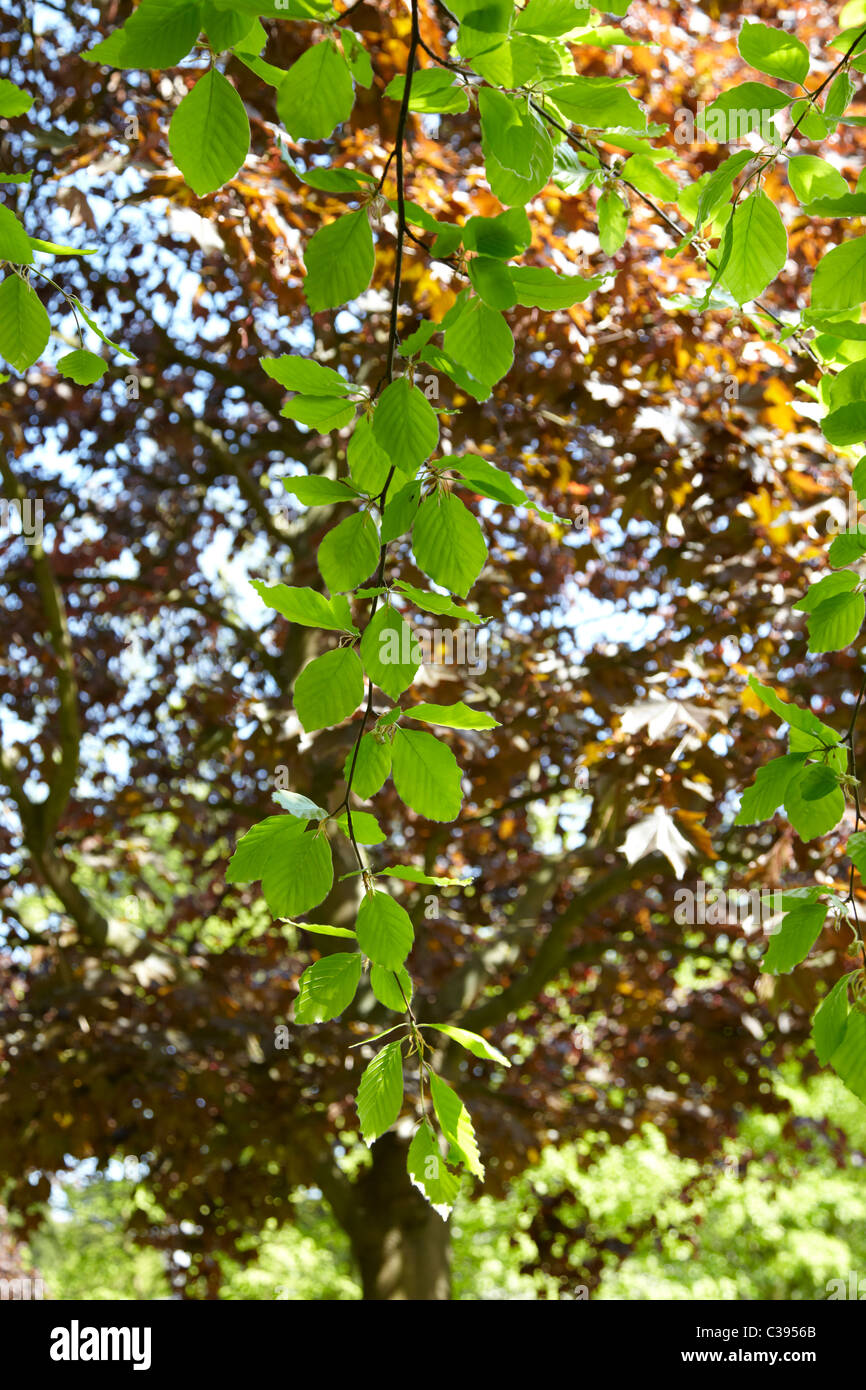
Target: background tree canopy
148,700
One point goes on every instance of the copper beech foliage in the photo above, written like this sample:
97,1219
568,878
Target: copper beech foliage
684,431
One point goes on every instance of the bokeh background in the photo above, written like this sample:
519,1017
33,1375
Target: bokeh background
664,1131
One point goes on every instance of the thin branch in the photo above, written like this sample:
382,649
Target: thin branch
54,608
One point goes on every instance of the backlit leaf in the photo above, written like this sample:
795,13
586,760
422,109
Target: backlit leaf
384,930
329,689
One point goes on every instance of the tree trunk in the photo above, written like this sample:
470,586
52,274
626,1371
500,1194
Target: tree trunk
403,1248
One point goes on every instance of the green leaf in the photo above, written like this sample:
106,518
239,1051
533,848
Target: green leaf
856,851
329,689
834,624
551,18
307,607
488,480
843,329
849,1059
503,236
509,129
648,178
14,241
209,134
400,511
319,492
341,180
328,987
340,259
365,828
484,25
830,1021
349,553
839,281
304,375
573,171
357,57
24,325
156,35
14,101
300,806
82,366
294,865
437,603
818,781
803,720
368,463
809,120
390,652
426,775
94,328
767,793
387,990
812,818
847,399
794,939
538,287
442,362
269,74
225,28
299,876
280,9
754,247
253,42
384,930
405,425
380,1095
613,215
413,875
480,340
430,1173
433,91
742,110
321,930
518,151
254,850
845,426
813,178
456,716
598,103
492,282
473,1042
847,548
854,14
839,97
372,766
522,60
317,93
771,51
52,248
448,543
716,188
848,205
456,1124
825,588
